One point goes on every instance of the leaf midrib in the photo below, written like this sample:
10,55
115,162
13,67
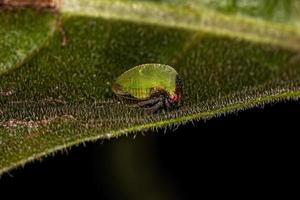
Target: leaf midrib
198,19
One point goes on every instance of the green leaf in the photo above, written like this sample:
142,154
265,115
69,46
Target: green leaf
22,33
63,96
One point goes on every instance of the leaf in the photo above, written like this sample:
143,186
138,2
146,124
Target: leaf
19,42
62,96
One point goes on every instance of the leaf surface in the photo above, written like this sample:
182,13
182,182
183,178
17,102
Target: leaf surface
22,33
63,97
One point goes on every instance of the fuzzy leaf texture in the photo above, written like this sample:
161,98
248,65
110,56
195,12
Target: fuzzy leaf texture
231,55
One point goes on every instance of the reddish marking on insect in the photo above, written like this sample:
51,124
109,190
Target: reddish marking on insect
174,97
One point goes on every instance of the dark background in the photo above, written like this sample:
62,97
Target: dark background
252,152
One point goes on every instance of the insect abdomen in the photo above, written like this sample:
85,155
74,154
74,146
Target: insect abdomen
139,93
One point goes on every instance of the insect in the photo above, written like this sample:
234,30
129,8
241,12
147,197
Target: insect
150,86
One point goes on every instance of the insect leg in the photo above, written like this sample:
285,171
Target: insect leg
155,107
167,103
149,102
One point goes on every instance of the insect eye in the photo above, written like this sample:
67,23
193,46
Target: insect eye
174,97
